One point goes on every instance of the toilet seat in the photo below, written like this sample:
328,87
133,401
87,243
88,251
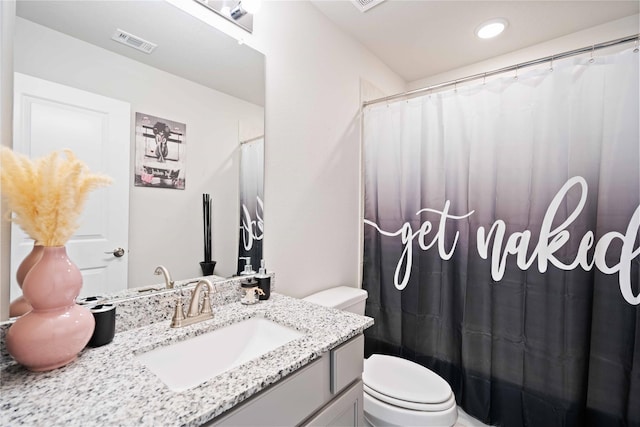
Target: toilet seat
405,384
379,413
422,407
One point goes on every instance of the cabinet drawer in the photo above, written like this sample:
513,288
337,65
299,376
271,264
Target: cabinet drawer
347,363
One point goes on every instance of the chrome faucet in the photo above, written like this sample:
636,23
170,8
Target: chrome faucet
197,312
167,277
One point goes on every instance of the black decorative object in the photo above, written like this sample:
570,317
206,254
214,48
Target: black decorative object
105,329
207,265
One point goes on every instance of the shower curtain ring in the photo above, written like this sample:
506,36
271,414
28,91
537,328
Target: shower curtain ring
516,76
636,49
592,49
484,79
551,65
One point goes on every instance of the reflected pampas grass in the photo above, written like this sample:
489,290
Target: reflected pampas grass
46,195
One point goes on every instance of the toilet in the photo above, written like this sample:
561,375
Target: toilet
397,392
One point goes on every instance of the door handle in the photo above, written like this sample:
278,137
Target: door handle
116,252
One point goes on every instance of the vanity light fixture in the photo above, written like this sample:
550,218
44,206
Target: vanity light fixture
245,6
240,12
491,28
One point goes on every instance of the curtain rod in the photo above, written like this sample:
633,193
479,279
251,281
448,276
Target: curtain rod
255,138
505,69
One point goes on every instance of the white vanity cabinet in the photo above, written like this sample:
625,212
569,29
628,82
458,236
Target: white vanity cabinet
327,392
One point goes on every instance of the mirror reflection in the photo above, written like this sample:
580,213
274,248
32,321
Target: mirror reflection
79,86
251,205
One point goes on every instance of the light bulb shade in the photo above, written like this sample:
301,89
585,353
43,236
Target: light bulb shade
238,12
491,28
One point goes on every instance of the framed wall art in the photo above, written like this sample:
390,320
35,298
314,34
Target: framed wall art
160,152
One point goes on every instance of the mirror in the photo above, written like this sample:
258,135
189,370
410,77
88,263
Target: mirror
197,76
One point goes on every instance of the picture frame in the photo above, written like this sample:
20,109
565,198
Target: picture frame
160,152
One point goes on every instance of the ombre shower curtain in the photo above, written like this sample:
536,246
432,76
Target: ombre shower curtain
251,208
501,243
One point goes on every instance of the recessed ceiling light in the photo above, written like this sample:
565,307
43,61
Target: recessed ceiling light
491,28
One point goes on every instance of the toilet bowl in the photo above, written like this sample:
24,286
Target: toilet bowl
397,392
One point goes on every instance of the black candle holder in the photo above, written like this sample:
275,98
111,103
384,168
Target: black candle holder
207,267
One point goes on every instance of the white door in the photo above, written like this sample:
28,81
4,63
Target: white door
50,116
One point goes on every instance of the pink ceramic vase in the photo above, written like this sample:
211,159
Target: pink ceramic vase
20,305
57,329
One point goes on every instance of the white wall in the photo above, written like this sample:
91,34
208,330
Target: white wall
312,147
165,225
610,31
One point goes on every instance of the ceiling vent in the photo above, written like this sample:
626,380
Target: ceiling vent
133,41
364,5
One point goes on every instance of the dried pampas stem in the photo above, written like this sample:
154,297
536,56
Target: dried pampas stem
47,195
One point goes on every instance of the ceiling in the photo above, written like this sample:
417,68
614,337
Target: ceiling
187,47
415,38
422,38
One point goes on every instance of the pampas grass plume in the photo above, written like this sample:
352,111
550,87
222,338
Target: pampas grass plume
46,195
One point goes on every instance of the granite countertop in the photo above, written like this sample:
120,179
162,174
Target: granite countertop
108,386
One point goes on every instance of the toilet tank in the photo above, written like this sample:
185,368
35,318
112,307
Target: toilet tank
342,298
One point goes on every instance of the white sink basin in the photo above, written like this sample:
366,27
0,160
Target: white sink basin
188,363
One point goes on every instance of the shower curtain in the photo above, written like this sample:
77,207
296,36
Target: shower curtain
501,242
251,208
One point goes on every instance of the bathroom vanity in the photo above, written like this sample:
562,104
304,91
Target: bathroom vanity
314,379
327,392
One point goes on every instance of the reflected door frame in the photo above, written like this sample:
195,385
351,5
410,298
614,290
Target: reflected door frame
49,116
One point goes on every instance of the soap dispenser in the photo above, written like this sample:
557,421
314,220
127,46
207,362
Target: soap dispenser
247,266
264,281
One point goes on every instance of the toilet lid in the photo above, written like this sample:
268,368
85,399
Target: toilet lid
403,380
422,407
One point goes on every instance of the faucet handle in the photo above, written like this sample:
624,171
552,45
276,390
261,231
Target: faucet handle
206,304
178,315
